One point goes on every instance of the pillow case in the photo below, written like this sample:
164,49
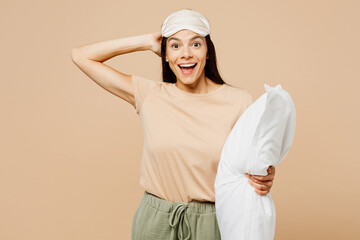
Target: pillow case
261,137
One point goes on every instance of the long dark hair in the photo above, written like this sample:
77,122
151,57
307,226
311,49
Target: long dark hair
211,70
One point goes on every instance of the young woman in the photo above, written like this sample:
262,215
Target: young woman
186,119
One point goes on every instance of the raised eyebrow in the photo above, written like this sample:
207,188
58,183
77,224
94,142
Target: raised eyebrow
174,38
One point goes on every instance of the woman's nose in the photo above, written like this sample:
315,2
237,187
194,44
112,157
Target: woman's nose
187,52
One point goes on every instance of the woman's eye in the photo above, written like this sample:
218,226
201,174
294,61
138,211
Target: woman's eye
174,45
198,44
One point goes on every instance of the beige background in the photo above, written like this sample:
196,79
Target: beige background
70,151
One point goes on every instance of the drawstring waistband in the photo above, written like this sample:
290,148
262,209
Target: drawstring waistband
176,221
178,213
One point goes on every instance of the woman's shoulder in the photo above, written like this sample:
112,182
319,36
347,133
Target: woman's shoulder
237,89
240,93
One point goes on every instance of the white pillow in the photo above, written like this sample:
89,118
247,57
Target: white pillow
262,136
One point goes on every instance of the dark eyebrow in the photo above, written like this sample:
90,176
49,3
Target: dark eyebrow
174,38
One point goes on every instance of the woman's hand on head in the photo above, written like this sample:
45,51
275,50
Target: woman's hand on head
155,41
262,184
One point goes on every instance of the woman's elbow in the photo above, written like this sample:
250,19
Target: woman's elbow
74,53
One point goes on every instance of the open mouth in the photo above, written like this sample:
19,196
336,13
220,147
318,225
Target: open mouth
187,68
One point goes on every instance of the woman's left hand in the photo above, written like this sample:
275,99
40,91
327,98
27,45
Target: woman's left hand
262,184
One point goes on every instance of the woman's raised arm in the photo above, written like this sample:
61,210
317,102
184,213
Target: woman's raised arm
89,58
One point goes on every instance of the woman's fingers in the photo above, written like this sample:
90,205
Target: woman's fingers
261,178
262,184
262,193
265,183
155,39
259,188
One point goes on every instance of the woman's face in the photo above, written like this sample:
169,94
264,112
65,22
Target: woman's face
186,52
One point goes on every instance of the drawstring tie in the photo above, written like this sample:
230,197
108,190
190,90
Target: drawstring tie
177,216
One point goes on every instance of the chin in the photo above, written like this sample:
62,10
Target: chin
188,80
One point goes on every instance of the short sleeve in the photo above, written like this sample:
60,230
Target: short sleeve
142,87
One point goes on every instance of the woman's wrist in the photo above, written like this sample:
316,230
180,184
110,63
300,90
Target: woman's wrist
139,43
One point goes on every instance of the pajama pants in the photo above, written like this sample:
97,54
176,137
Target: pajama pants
159,219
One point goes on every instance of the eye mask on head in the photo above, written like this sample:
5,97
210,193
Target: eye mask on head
185,19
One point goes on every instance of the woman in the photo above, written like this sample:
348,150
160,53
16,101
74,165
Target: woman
186,119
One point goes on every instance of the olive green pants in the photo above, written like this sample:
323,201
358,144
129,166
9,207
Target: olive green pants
158,219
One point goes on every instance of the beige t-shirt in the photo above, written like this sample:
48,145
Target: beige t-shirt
184,134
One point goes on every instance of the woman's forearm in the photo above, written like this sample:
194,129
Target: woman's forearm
104,50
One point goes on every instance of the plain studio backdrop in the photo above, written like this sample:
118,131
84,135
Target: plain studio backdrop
70,151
